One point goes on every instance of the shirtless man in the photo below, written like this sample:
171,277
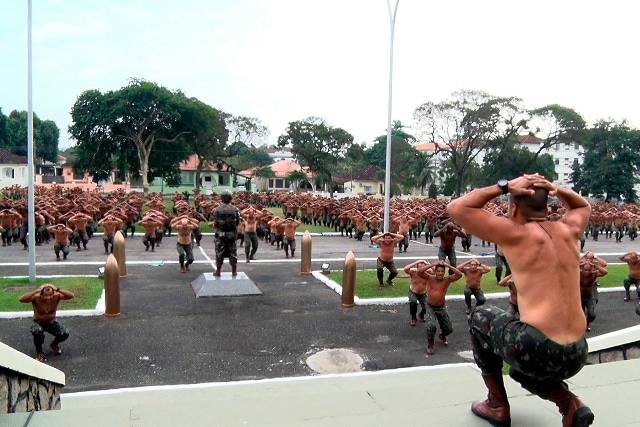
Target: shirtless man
7,220
633,261
547,344
437,315
473,271
403,229
151,226
250,220
79,222
589,273
110,224
417,289
447,249
184,245
45,301
61,235
290,226
387,243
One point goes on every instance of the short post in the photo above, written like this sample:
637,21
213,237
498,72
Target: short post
348,280
305,257
111,287
118,252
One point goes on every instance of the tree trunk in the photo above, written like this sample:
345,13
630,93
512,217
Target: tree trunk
199,172
144,166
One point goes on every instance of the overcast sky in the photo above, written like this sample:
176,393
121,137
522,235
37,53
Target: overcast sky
284,60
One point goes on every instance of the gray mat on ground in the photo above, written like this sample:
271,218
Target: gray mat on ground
208,285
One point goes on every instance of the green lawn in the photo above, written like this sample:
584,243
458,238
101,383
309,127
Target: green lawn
303,227
367,283
87,291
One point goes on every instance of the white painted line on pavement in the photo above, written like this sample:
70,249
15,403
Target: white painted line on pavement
204,254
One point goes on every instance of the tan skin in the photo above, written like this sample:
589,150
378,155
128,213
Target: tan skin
589,273
543,256
633,261
473,271
45,301
416,271
150,225
448,235
184,227
290,226
438,283
508,282
60,233
387,243
110,225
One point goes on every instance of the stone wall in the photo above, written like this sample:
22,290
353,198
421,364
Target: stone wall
22,393
615,354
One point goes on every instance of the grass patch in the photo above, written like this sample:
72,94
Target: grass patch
367,283
87,291
303,227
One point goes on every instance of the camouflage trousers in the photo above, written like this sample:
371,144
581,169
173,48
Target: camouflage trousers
438,316
589,307
539,364
226,248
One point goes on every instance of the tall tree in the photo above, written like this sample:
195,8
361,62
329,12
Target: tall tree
4,141
316,144
138,118
611,164
467,124
403,157
512,161
296,177
422,171
246,130
206,133
45,136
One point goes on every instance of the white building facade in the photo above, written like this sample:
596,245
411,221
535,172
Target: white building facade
13,169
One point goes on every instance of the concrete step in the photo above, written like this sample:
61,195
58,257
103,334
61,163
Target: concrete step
431,396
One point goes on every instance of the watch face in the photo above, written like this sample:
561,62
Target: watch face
503,182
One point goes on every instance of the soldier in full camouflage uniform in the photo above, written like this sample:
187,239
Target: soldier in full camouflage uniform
226,219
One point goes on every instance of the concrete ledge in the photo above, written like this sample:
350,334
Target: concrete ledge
16,361
614,339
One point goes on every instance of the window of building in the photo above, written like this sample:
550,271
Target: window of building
287,184
271,183
221,179
368,189
8,173
187,178
279,183
207,178
557,161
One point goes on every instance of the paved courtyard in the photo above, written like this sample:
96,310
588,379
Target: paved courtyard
166,336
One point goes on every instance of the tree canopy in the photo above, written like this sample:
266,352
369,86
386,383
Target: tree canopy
611,164
316,144
13,135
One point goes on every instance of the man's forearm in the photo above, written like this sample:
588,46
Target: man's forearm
571,198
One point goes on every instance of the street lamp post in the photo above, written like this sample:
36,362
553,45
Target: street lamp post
31,222
387,176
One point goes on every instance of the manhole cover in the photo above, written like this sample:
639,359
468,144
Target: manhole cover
335,361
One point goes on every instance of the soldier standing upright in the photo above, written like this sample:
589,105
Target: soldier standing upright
225,222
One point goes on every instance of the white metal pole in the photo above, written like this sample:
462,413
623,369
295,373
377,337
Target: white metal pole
30,208
387,176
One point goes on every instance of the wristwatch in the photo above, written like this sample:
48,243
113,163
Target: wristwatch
504,185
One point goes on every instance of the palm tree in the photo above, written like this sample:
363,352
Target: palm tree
295,177
423,171
264,172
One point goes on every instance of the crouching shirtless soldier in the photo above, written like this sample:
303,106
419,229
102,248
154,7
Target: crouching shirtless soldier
547,344
387,243
45,301
250,220
589,273
437,315
61,235
184,245
473,271
418,289
633,261
110,225
150,225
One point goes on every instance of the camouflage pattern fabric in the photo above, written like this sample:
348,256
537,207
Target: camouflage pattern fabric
438,316
477,293
226,247
536,362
